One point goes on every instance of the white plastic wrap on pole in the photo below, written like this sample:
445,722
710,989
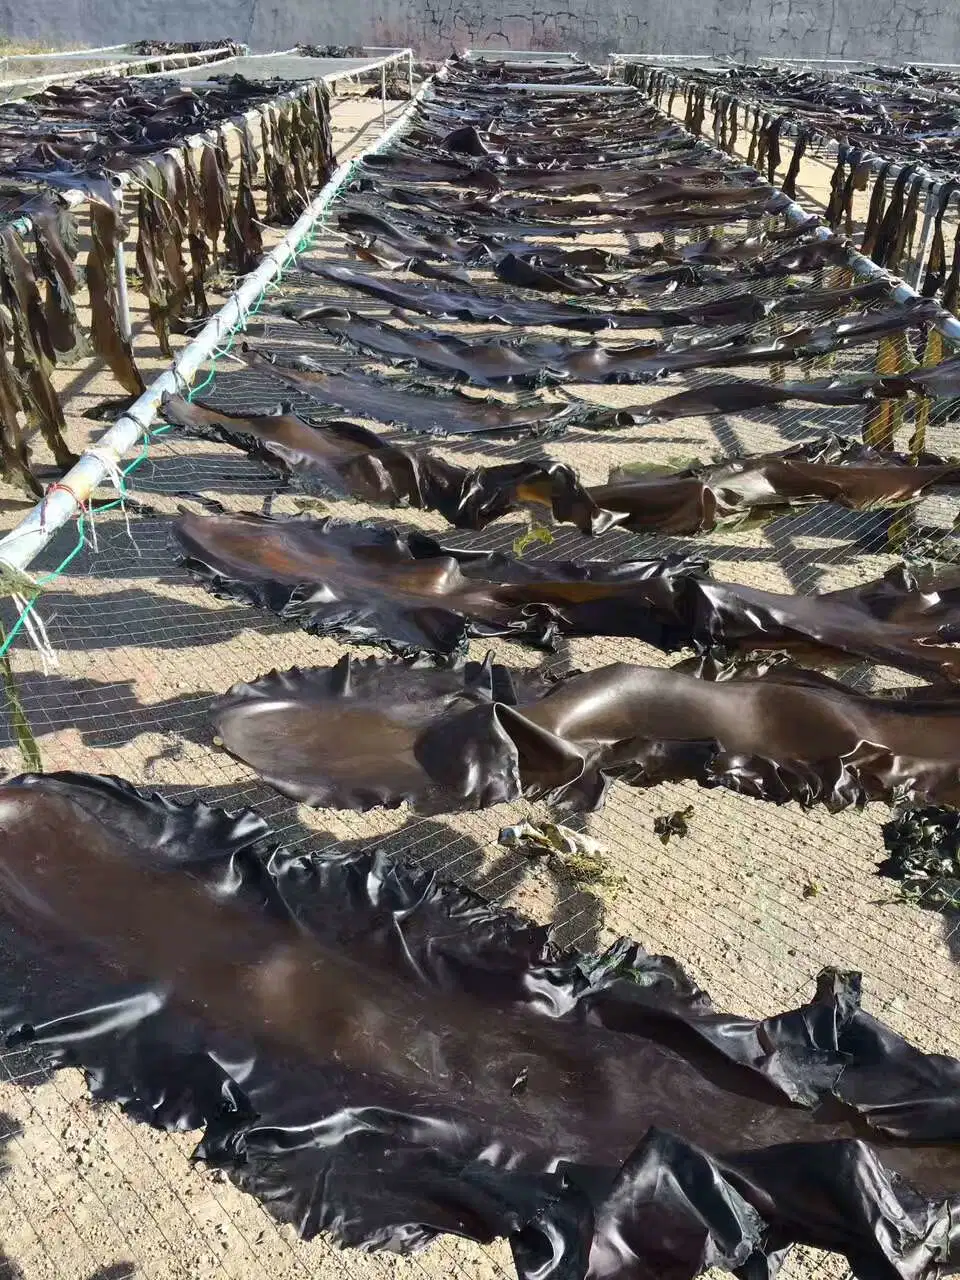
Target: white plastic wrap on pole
28,539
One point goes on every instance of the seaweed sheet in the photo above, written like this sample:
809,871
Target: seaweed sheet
417,595
378,1055
381,733
343,458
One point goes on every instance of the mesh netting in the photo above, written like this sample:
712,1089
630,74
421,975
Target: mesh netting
754,900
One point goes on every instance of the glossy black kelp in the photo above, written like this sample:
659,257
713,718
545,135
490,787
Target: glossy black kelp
346,459
698,498
416,595
368,734
414,1061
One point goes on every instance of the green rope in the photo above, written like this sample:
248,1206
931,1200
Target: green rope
144,452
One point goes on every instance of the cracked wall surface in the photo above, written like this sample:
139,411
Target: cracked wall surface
882,29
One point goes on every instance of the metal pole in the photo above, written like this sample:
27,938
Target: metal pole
926,235
410,71
22,544
383,95
123,299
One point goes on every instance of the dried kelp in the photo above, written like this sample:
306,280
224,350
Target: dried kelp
416,595
584,1107
696,499
346,459
532,362
55,237
435,411
106,232
381,733
32,352
488,307
941,379
163,223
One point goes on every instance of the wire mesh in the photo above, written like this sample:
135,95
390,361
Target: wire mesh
754,900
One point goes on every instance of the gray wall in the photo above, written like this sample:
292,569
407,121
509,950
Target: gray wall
890,29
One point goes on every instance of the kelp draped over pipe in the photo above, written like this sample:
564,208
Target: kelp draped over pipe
380,733
416,595
415,1061
182,209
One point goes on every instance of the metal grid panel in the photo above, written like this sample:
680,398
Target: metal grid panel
754,900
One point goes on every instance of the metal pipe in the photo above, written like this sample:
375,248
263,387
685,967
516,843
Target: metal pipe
25,542
124,323
58,54
127,68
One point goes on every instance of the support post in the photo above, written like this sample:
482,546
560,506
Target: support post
383,94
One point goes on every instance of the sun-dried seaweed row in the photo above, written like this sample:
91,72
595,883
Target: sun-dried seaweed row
415,595
526,362
368,734
346,459
414,1061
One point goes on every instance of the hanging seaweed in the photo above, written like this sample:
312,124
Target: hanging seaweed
55,236
110,344
33,352
163,221
244,251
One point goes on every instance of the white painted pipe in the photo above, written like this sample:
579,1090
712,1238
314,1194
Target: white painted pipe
23,543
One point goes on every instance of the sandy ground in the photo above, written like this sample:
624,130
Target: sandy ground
754,900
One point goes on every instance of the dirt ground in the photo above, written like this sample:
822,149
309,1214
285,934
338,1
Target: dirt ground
753,901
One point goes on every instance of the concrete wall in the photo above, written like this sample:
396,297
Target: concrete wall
883,29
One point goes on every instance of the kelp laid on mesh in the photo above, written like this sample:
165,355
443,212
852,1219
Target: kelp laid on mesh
366,734
344,459
382,1056
528,362
412,593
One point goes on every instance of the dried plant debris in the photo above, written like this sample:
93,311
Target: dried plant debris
581,1106
572,854
668,825
923,853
